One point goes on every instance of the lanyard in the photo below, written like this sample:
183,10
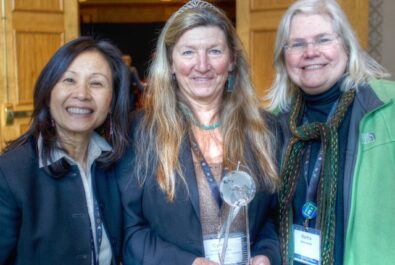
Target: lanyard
309,209
315,175
207,171
99,232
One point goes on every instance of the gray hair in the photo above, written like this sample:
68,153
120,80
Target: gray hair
360,69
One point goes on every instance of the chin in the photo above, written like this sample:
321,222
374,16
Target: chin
314,90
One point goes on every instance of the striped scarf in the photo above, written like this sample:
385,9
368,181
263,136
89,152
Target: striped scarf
326,190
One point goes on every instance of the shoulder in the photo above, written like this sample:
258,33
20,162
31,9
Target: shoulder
125,164
384,89
18,166
269,119
20,158
277,123
276,126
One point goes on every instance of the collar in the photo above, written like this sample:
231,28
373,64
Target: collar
97,145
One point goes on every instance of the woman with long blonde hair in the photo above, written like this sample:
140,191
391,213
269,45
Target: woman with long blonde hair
200,119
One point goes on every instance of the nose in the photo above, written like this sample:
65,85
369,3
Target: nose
203,63
311,50
82,91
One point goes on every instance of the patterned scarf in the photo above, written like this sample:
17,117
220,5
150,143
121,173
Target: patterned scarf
326,190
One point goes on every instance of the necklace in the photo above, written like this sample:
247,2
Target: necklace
207,127
204,126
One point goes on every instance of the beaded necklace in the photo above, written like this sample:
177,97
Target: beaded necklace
188,114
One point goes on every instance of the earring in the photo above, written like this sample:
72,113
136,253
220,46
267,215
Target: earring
108,131
111,127
230,82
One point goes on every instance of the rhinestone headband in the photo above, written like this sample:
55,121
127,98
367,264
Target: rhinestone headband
195,4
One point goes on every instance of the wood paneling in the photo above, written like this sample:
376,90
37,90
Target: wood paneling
33,52
257,23
38,5
357,12
32,30
3,55
37,22
269,4
262,42
71,20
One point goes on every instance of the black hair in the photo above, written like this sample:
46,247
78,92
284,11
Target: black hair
41,123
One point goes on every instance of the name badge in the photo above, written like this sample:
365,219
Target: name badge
236,251
307,245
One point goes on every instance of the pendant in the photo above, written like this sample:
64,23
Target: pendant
309,210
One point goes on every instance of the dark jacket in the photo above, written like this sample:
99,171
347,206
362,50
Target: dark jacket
161,232
44,219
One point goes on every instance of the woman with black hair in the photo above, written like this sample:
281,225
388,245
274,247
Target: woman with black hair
59,199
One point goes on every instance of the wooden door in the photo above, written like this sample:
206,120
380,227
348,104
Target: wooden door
257,22
31,31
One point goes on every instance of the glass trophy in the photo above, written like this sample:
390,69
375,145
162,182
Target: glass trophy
237,189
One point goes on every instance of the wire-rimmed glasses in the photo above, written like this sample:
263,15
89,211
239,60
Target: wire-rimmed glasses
320,42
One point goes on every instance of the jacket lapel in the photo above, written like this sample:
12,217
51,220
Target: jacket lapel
188,169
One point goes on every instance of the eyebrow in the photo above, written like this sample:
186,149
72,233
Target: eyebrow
315,36
103,75
92,74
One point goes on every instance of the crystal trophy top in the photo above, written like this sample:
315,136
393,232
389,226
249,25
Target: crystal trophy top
237,188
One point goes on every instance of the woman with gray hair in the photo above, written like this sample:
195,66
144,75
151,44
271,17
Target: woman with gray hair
335,201
201,117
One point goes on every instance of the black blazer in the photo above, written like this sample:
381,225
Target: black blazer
161,232
44,220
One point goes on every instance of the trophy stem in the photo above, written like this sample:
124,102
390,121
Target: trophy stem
231,216
248,235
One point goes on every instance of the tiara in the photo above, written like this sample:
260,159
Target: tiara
195,4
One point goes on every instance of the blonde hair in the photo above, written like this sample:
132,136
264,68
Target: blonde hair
360,69
164,126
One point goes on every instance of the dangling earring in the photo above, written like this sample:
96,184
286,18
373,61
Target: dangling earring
111,127
173,77
230,82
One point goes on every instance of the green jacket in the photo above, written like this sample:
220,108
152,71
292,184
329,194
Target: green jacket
371,215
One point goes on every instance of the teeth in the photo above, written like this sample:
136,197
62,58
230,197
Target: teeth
202,77
312,67
79,110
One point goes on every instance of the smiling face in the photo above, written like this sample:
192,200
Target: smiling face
201,61
315,70
81,99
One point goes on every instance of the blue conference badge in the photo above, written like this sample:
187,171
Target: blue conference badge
309,210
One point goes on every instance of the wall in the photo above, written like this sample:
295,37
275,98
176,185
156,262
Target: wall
388,45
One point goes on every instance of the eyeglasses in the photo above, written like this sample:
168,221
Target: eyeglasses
321,42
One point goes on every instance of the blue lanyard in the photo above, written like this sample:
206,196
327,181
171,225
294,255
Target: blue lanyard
99,232
207,171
